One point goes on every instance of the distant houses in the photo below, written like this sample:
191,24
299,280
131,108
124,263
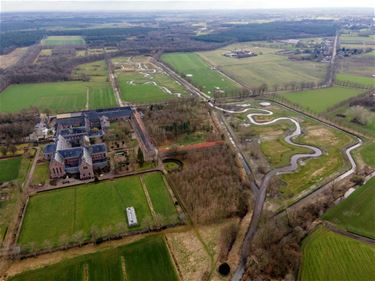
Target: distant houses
239,53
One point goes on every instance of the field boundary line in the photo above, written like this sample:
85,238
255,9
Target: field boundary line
123,268
86,276
75,209
148,198
87,98
175,263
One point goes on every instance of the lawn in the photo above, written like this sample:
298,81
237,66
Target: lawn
160,197
328,256
357,212
52,41
63,96
9,168
140,90
268,67
147,259
367,153
90,208
279,152
321,99
199,72
363,80
41,174
93,209
56,97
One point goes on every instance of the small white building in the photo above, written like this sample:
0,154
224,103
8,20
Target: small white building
265,104
132,217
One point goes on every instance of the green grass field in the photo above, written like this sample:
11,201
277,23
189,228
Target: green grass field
82,208
41,174
138,92
356,79
316,170
327,256
267,67
357,212
9,168
52,41
199,72
160,197
279,152
145,260
367,153
62,96
321,99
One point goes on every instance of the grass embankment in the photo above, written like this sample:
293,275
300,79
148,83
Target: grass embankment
328,256
199,72
147,260
92,209
357,212
320,100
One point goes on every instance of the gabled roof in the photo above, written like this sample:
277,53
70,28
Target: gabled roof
57,157
62,143
86,157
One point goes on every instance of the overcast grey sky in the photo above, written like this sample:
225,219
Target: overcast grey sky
105,5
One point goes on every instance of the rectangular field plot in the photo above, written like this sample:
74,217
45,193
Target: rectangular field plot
160,197
321,99
362,80
356,213
9,168
202,75
79,213
268,67
330,256
57,96
52,41
147,260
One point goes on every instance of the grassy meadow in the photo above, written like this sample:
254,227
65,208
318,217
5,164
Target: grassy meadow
147,259
367,153
60,97
142,82
363,80
268,67
199,72
98,207
9,168
319,100
357,212
327,256
160,197
52,41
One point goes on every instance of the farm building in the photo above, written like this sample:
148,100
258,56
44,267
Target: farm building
132,217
